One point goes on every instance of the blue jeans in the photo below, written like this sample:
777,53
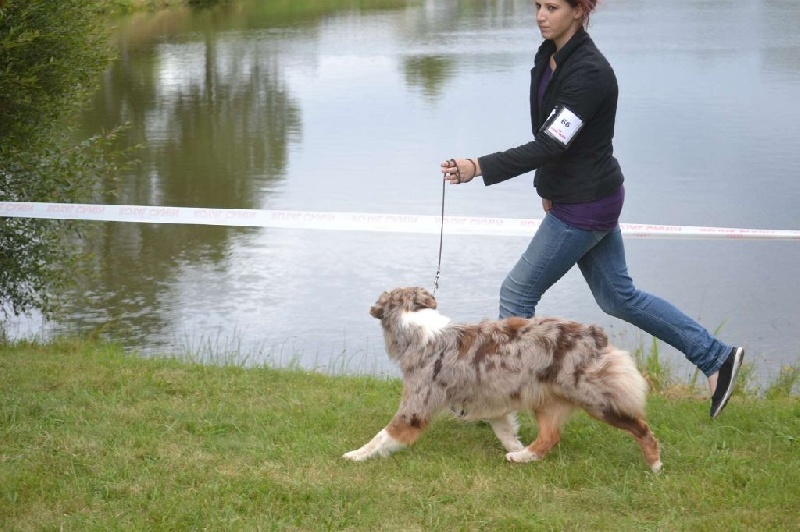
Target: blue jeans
600,255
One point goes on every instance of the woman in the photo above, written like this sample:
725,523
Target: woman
573,103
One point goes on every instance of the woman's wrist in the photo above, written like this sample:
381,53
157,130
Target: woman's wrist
476,168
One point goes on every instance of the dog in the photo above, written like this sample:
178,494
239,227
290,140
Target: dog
491,370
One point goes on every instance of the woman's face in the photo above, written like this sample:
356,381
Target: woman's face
558,20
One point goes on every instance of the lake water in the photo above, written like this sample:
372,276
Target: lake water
307,107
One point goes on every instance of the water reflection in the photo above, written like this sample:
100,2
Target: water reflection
429,73
215,122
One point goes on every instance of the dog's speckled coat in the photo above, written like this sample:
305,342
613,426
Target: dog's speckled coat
495,368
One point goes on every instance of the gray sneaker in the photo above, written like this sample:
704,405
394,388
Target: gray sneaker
725,380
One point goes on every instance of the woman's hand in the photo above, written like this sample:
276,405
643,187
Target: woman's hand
459,171
547,205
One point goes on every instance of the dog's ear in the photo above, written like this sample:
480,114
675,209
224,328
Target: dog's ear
600,336
423,299
376,311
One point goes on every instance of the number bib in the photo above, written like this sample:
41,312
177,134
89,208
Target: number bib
562,125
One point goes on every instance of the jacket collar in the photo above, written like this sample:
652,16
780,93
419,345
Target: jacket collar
575,42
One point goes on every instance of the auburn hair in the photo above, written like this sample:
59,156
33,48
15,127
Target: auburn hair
587,5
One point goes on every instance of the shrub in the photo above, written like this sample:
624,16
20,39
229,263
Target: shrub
52,53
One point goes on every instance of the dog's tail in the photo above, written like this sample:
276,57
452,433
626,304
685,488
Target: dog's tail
613,382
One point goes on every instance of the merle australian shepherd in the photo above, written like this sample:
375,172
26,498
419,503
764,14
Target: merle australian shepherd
491,370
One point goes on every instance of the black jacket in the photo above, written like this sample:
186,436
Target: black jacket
572,150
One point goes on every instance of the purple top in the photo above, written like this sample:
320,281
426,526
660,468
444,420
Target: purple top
548,73
598,215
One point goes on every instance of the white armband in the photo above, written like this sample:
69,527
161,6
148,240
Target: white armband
562,125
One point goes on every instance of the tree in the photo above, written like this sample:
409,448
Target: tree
51,55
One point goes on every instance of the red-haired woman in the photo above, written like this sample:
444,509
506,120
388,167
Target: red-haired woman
573,102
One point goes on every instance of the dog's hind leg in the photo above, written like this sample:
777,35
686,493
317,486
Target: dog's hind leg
639,429
505,428
550,419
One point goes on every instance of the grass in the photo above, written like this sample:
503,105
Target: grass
94,439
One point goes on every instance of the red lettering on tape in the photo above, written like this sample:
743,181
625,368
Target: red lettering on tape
17,207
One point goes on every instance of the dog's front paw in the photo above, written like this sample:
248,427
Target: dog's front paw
356,456
520,457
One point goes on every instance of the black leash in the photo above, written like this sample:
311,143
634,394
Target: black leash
441,230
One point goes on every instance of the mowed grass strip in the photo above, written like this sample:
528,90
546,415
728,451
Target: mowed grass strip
92,438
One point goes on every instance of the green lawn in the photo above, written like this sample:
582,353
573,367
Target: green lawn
93,439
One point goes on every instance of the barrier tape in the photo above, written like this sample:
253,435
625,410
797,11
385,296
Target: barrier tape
354,221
